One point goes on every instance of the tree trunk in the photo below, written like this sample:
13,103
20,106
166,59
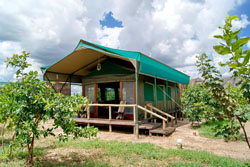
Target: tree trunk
10,146
245,134
29,159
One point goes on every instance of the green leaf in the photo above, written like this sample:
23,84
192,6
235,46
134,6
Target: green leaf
235,17
235,33
222,64
246,59
219,37
221,49
238,43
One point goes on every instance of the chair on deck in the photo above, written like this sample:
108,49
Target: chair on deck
121,111
83,112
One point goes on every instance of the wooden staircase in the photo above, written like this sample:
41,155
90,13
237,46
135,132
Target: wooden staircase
154,127
168,131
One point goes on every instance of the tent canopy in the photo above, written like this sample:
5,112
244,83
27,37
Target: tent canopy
86,56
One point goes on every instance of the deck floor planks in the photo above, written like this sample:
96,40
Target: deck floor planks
100,121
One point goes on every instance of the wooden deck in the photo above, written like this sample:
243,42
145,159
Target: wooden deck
100,121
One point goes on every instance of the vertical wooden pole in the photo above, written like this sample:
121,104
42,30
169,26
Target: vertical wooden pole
145,113
121,95
175,96
88,114
167,94
163,125
110,118
155,84
96,100
70,86
175,88
83,90
136,115
164,98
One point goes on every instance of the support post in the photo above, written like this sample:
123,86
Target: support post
167,95
137,123
110,118
121,95
96,100
155,101
88,114
175,89
145,113
163,125
134,113
151,116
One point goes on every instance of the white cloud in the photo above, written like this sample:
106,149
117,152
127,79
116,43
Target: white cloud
109,36
171,31
241,23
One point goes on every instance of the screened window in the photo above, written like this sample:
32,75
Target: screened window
90,92
148,92
160,95
128,92
169,93
128,95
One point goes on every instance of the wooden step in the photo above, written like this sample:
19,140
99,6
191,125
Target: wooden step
167,132
149,126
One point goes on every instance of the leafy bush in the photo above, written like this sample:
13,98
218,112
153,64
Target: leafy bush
198,103
29,102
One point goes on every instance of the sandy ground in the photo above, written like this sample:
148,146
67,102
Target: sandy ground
191,140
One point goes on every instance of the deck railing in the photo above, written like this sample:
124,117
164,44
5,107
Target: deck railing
161,112
164,120
110,110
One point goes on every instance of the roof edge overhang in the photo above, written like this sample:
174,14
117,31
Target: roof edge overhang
131,56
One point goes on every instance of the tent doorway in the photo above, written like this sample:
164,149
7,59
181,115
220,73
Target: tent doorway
108,93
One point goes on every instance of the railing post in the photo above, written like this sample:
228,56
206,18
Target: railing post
145,113
110,118
134,109
88,114
152,115
163,125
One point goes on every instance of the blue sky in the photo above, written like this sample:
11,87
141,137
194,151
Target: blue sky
109,21
243,9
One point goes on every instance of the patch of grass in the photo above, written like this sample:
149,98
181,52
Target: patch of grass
95,153
206,130
147,151
203,157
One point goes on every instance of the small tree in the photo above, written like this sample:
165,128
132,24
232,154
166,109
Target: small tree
233,47
198,103
229,100
33,102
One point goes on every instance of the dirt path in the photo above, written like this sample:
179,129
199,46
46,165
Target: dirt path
237,149
191,140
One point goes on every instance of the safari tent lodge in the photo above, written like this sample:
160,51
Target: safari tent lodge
124,88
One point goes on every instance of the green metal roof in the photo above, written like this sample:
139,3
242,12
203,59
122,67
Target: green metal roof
148,65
